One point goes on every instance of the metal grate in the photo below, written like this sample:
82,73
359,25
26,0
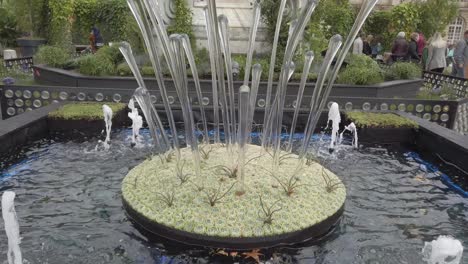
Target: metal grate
459,86
20,64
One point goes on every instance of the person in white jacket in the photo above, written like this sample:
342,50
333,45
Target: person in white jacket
358,45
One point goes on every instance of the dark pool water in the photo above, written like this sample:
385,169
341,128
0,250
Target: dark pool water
70,211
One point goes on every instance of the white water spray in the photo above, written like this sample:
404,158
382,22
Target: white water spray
351,128
11,228
334,116
137,122
443,250
108,119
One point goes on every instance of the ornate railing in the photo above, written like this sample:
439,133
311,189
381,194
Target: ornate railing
20,64
458,86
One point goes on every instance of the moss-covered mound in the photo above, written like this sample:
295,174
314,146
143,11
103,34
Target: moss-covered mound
378,120
154,190
84,111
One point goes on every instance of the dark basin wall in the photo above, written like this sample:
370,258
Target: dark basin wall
56,77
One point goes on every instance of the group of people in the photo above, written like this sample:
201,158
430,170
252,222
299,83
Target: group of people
369,46
434,54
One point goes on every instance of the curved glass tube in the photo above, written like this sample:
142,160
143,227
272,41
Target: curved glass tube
211,50
333,47
243,134
273,62
224,35
309,58
253,35
151,43
256,74
193,67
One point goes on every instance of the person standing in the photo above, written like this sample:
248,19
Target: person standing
400,47
376,47
358,45
413,55
96,39
436,54
461,57
421,43
450,54
366,49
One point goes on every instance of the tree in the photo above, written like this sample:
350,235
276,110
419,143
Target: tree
436,15
406,17
330,17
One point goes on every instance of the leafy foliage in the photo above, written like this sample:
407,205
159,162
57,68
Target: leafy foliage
53,56
446,92
333,17
112,17
436,15
269,211
95,65
405,17
167,198
365,119
19,77
8,32
182,22
270,9
378,24
403,71
123,69
32,16
330,184
112,53
291,184
61,13
214,196
84,111
183,177
361,70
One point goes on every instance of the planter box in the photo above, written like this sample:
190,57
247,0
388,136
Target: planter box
64,128
57,77
387,136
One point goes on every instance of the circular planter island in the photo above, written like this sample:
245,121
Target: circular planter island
288,205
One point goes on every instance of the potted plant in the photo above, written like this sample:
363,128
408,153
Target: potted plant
30,16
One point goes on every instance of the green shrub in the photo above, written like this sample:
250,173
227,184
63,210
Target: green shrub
264,61
404,71
52,56
366,119
113,53
123,69
85,111
147,71
71,64
96,65
361,70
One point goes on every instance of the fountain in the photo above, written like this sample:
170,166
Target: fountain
137,122
11,228
443,250
233,194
